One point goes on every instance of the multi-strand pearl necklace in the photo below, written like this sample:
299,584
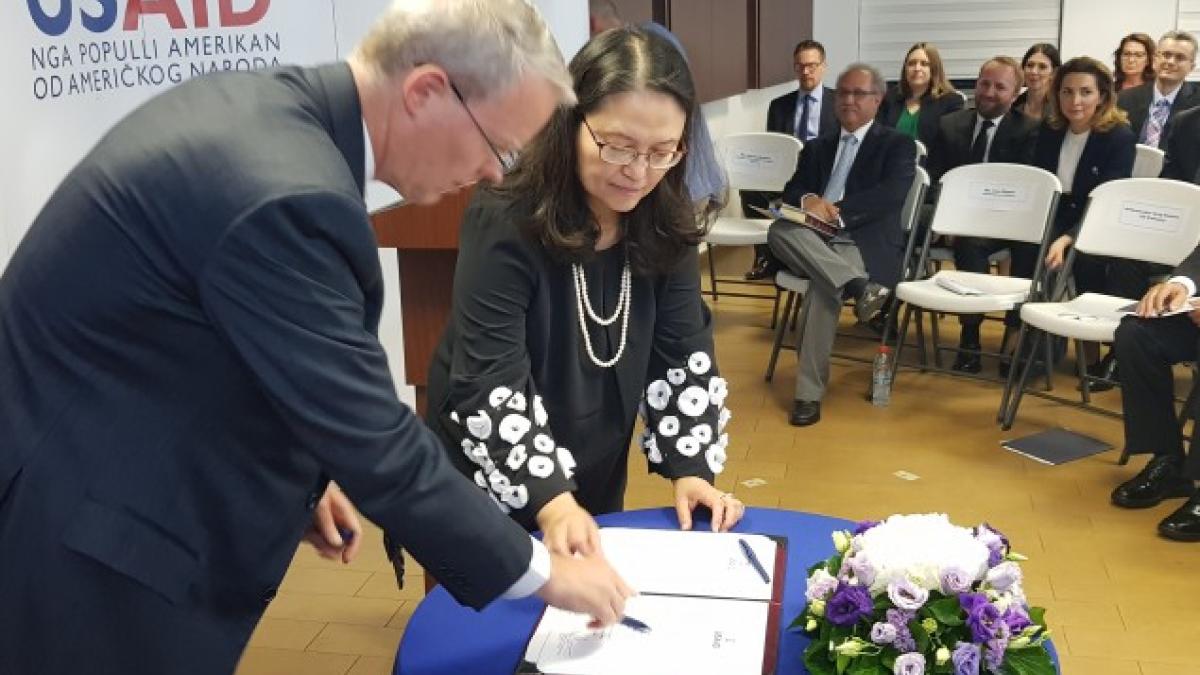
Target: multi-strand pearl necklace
584,306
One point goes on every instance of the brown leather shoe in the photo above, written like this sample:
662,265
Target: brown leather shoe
1161,479
764,268
1184,524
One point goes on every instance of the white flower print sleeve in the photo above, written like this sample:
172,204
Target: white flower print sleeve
685,416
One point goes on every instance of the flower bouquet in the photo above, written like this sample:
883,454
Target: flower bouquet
916,594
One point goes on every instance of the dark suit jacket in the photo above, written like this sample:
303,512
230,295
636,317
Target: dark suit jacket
1012,142
932,110
1108,155
1183,148
1190,267
1137,102
781,115
876,187
188,354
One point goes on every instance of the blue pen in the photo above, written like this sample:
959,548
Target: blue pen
633,623
758,566
347,534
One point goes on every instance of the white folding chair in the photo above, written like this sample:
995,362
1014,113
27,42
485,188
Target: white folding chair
992,201
763,161
1146,219
1148,162
922,151
795,287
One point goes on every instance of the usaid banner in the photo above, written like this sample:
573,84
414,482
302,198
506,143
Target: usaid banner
70,69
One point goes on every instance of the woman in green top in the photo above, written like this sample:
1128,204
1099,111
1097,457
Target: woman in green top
922,95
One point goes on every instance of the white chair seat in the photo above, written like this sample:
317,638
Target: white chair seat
732,231
1091,317
1002,293
790,282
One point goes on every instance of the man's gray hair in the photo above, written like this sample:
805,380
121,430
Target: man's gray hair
878,84
485,46
1180,36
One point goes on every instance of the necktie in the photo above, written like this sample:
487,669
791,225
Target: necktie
979,145
802,127
836,186
1152,133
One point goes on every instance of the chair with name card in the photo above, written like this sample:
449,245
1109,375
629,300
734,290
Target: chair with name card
1146,219
1148,162
994,201
763,161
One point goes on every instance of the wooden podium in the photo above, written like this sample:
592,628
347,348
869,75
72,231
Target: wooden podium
426,239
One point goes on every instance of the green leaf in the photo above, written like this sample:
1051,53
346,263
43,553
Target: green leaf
947,611
920,635
843,662
867,664
1038,615
883,602
817,661
1028,662
800,621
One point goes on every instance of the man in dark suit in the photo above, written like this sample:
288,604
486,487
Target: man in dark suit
805,113
188,352
1182,161
1147,346
992,132
1152,106
856,176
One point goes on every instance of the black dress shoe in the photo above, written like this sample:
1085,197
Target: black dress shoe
1184,524
805,413
1106,370
1161,479
966,362
764,268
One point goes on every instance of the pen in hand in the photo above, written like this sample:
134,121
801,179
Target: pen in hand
630,622
754,562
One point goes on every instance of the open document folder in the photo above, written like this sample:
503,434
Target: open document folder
708,608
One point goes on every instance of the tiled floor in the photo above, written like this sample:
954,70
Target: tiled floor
1120,600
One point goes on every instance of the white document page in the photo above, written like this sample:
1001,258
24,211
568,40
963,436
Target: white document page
697,636
697,563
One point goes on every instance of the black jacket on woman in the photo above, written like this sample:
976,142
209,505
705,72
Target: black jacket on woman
1108,155
932,109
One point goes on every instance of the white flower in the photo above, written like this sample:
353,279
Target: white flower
821,585
480,480
499,482
687,446
517,497
498,396
517,402
454,417
543,444
699,363
717,391
650,446
668,426
703,432
567,460
513,428
480,425
676,376
541,466
1003,576
918,547
539,412
841,541
715,455
516,457
942,656
658,394
723,419
693,401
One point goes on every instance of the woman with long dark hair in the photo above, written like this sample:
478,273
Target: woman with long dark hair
922,95
1133,61
1038,65
577,303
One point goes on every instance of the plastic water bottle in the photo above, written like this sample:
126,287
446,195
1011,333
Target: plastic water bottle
881,377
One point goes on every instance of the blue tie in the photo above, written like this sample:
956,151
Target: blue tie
836,186
802,127
1152,133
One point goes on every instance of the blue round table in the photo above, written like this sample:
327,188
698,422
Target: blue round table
445,638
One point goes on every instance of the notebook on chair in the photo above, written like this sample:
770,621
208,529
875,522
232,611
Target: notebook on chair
824,228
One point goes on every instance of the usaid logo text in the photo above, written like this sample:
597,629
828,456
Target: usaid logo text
98,16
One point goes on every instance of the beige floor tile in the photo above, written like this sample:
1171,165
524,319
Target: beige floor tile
329,581
383,585
262,661
285,633
373,665
363,640
1154,668
333,609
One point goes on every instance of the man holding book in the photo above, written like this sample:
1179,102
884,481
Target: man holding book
854,178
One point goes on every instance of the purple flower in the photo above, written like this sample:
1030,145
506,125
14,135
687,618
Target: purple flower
1016,618
863,525
820,585
996,543
861,568
883,633
904,641
965,659
912,663
899,617
984,622
955,580
848,605
969,601
1003,576
993,654
907,595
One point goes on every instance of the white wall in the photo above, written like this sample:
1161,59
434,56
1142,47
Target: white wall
568,20
1093,27
835,25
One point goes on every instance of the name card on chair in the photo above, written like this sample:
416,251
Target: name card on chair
995,196
1148,216
744,161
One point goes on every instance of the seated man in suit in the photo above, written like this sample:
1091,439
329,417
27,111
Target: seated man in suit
1147,346
1152,107
992,132
805,113
1183,148
857,177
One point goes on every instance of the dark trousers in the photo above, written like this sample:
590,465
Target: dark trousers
1114,276
1146,350
762,200
971,255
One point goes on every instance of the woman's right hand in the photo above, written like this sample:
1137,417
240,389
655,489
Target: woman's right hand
567,528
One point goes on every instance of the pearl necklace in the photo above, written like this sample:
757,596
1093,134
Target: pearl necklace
584,306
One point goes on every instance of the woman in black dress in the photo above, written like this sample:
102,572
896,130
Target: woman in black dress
577,305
